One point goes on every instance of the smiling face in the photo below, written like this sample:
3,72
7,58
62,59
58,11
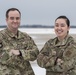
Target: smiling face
13,20
61,28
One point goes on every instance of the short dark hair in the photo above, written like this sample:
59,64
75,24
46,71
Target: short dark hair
12,9
64,17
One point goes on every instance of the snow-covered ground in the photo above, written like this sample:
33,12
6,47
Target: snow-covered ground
42,30
38,70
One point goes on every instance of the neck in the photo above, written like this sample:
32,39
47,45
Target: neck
14,31
61,38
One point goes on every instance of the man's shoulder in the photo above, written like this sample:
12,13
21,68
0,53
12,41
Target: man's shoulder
24,34
2,32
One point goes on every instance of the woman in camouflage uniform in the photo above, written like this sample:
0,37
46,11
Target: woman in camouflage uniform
58,56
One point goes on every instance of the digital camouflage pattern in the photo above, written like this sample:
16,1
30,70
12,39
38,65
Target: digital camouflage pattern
13,64
54,49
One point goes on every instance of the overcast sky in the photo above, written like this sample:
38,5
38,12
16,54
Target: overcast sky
40,11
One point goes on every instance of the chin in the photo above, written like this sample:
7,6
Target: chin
59,35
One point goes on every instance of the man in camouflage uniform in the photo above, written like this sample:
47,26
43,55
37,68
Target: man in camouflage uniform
58,56
16,48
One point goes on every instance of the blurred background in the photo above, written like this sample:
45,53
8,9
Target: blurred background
40,12
37,19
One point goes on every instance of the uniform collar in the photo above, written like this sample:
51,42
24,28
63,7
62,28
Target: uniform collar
56,42
11,34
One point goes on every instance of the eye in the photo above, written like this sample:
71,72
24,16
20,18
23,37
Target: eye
12,18
17,18
56,25
62,25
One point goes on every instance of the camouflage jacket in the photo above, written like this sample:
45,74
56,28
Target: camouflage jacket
16,65
65,50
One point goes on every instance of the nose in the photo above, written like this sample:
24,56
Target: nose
15,20
59,27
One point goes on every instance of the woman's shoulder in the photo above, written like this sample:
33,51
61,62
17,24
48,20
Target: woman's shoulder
71,38
52,40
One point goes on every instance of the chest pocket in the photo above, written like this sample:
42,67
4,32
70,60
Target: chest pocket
69,52
22,44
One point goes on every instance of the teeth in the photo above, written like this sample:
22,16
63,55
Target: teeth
59,31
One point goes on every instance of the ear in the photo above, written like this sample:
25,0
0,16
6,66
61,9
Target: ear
68,28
